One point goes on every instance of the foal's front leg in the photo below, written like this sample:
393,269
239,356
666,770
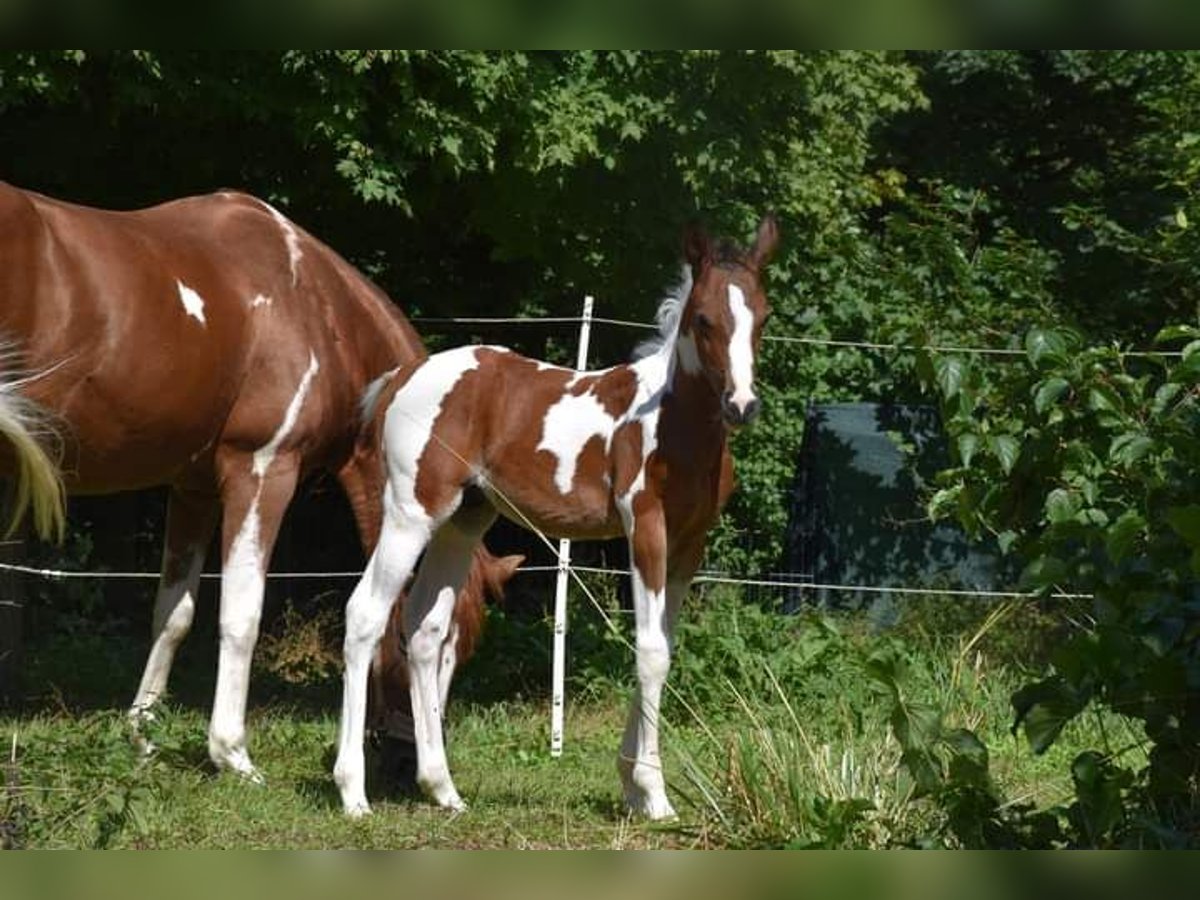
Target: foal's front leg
654,607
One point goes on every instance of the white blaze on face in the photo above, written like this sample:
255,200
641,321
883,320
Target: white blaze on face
569,425
260,300
193,303
741,349
265,454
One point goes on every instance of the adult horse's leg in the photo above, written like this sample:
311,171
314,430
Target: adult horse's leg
655,603
401,541
191,518
255,493
428,626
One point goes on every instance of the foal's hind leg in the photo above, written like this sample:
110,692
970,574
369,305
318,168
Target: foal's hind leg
401,541
255,498
191,518
428,617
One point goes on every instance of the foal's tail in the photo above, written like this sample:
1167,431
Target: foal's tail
37,482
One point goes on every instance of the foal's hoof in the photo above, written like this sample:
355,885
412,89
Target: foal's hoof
359,809
656,809
443,793
239,764
137,718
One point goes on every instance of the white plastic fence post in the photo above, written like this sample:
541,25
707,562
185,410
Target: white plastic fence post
558,673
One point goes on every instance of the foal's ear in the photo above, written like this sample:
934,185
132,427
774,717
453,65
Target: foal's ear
765,241
697,245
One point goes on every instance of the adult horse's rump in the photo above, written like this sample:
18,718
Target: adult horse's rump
208,344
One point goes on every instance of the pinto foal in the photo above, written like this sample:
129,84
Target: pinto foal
639,449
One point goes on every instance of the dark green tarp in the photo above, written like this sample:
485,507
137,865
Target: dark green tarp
857,510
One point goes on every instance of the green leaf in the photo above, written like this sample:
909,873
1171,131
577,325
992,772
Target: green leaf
967,445
1164,395
1006,539
1122,535
950,372
1176,332
1129,448
1061,506
1185,522
1045,344
1103,398
1043,572
943,502
1048,392
1043,709
1006,449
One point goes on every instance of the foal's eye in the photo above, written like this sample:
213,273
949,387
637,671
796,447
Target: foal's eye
702,322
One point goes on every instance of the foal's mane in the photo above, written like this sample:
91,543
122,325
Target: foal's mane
670,311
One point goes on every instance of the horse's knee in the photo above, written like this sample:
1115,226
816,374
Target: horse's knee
239,628
425,643
176,624
653,662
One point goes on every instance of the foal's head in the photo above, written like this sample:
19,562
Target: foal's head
723,317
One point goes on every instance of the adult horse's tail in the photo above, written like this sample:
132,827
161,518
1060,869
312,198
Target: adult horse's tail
37,484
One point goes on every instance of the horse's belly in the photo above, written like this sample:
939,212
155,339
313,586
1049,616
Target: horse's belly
581,515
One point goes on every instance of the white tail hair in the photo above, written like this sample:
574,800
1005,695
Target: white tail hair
37,487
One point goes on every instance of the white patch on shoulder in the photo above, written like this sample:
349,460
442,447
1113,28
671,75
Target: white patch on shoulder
408,423
569,424
266,453
260,300
193,303
741,349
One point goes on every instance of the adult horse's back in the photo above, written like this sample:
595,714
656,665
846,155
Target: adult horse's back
207,344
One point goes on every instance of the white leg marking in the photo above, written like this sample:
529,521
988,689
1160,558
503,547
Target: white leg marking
174,609
447,665
242,583
640,764
193,303
741,349
241,609
400,543
428,617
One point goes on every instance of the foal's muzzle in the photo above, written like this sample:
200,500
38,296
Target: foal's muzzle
737,414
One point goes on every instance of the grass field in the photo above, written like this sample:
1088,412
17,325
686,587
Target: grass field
774,736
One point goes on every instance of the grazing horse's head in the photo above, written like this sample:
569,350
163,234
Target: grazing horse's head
723,317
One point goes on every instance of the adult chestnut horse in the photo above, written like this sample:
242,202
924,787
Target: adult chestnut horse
639,449
210,345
